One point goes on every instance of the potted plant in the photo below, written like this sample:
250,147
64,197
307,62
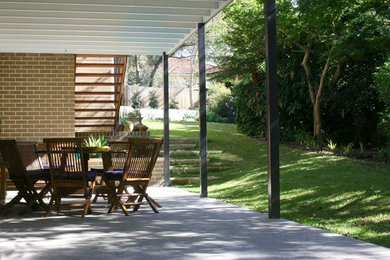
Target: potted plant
122,122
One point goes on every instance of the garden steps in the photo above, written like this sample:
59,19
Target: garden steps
184,158
196,169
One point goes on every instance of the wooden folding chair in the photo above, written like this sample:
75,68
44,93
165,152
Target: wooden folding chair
69,175
25,170
113,163
137,171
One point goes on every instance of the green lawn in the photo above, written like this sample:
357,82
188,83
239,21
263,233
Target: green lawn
338,194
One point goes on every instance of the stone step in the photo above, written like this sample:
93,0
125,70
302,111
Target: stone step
196,169
182,146
186,153
182,140
191,180
186,161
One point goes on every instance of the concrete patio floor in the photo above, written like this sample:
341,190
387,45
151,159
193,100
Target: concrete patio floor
187,227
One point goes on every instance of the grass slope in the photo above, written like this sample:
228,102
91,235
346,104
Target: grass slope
338,194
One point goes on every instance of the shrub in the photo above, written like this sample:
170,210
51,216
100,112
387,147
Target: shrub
347,150
211,116
250,108
153,100
136,100
221,105
382,81
174,104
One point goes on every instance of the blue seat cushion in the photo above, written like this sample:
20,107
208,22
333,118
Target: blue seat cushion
98,170
90,175
40,174
114,175
117,174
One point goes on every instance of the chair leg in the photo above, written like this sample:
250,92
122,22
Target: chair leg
136,207
155,202
86,207
48,210
10,204
151,204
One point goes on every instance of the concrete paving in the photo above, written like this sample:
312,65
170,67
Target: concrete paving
187,227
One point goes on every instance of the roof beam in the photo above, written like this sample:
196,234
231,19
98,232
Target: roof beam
112,51
65,27
14,33
70,43
94,22
100,16
78,8
87,39
202,4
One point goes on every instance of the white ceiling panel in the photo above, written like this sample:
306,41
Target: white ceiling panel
147,27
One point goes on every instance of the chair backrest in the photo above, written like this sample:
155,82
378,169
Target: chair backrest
66,158
10,153
118,154
142,156
29,154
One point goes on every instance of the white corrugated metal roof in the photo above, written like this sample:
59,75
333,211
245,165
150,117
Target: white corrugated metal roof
147,27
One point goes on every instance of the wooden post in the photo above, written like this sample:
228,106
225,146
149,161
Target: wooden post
202,110
167,179
272,110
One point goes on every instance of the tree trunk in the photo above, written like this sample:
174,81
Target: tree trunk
153,73
315,96
191,80
136,63
317,122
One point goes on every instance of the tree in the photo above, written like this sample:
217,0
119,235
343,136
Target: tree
142,70
330,34
241,41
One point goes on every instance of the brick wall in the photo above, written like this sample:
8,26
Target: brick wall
36,96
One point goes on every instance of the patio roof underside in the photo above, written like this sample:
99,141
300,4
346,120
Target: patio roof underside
147,27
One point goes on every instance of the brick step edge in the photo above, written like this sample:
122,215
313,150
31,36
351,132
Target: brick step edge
197,169
191,180
185,153
182,146
186,161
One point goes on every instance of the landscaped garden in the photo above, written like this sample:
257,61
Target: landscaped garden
347,196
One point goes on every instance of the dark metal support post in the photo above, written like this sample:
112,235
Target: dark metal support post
202,110
272,110
167,179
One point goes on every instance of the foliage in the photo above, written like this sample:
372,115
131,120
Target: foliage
251,108
243,41
174,104
122,119
134,113
347,150
153,100
332,146
93,141
142,70
136,100
382,81
334,193
221,105
327,53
